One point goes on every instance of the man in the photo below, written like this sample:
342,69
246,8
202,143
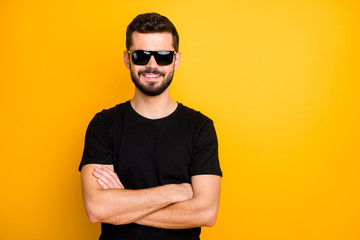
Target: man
150,167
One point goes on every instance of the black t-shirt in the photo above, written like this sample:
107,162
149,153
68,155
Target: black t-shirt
148,153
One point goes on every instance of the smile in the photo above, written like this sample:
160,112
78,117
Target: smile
151,75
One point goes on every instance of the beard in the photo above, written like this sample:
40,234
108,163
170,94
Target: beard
155,88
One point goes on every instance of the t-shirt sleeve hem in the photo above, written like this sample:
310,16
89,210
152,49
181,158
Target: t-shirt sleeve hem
93,162
204,172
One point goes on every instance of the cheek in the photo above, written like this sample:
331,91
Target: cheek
135,69
168,69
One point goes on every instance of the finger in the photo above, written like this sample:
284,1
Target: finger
99,175
107,178
102,184
114,175
105,174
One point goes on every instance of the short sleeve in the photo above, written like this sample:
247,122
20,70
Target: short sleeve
98,143
205,152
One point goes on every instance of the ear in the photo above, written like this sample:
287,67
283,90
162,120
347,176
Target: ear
127,59
177,60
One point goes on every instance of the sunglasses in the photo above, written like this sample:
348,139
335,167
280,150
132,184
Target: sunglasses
142,57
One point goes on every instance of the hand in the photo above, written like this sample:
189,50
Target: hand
107,178
183,191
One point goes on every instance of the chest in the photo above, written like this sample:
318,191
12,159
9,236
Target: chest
148,155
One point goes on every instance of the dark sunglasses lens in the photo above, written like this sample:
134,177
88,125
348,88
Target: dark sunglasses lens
140,57
164,57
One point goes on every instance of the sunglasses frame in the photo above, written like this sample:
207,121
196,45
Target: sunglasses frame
152,53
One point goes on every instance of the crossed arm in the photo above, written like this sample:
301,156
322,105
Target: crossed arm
173,206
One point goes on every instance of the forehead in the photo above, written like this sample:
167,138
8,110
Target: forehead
152,41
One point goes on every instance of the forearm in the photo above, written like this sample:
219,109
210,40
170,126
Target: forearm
188,214
106,200
201,210
121,206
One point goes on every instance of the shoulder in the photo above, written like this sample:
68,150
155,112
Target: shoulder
108,118
195,116
201,125
110,114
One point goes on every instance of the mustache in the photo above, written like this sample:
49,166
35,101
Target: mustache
154,71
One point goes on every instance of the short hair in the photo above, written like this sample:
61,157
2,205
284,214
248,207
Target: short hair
151,23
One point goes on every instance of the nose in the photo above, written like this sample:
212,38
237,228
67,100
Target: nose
152,63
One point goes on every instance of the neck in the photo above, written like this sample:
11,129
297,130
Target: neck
153,107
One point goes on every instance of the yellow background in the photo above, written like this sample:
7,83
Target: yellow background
279,78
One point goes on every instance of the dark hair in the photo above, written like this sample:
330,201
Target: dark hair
151,23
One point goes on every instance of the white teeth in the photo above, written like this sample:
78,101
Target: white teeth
151,76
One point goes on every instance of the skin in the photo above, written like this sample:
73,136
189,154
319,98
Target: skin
161,105
117,205
173,206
